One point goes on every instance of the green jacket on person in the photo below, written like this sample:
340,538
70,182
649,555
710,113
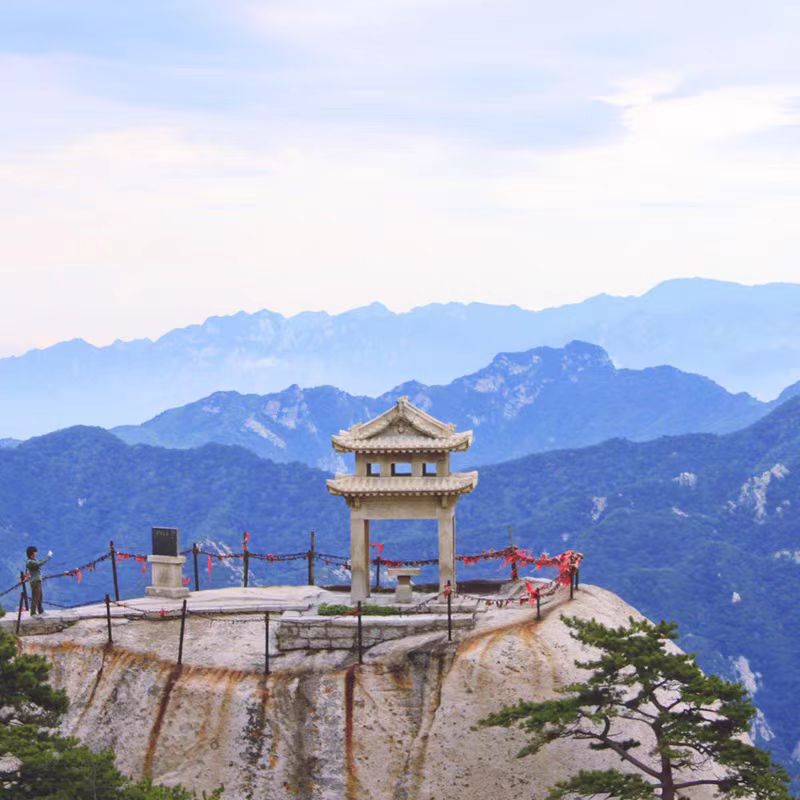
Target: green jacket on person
34,568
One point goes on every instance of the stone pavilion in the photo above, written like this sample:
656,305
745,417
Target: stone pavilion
402,471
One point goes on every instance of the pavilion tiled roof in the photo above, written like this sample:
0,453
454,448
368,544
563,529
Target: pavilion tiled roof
369,486
402,428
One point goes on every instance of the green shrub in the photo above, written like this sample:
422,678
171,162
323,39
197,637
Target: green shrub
367,610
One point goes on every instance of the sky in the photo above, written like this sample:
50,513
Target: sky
162,161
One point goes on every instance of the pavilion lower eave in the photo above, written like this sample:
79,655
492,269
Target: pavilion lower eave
357,486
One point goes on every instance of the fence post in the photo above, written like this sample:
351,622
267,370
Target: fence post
246,568
108,619
113,553
577,577
196,570
538,606
24,590
449,612
183,628
513,549
360,638
571,583
311,557
266,643
19,614
377,572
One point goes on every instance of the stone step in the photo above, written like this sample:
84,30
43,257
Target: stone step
458,607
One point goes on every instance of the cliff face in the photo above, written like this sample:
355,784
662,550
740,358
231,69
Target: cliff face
321,726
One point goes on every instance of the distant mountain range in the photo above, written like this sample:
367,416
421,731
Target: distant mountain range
700,528
745,338
521,403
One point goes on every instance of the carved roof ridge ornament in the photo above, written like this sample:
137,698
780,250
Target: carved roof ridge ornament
407,418
402,428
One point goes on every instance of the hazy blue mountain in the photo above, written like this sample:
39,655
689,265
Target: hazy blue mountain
699,528
9,442
744,338
521,403
789,391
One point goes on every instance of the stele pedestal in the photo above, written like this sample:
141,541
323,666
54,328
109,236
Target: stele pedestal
167,577
403,594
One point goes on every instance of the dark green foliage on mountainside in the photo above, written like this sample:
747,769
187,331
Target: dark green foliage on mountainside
521,403
697,528
76,489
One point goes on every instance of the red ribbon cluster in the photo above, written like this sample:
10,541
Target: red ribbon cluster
75,572
567,563
137,557
391,562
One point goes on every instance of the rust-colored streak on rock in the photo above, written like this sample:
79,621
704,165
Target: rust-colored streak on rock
352,788
155,731
99,677
56,649
399,676
223,718
254,750
121,656
486,638
419,751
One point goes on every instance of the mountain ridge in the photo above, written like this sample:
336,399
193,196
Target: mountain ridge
543,399
742,337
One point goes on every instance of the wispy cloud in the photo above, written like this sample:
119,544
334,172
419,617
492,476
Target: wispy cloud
298,155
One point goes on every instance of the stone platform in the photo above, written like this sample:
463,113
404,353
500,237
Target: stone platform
232,600
314,632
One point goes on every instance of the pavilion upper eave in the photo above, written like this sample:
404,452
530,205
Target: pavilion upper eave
347,443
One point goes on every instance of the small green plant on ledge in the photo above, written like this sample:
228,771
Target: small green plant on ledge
367,610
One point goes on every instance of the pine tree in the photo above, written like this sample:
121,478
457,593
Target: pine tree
697,722
25,695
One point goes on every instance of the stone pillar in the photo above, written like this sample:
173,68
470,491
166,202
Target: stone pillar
167,577
359,559
447,547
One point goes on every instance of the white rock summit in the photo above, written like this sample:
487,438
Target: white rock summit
321,727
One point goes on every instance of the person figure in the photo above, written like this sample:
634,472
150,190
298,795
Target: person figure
34,569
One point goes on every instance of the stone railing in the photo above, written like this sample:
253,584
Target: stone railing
340,633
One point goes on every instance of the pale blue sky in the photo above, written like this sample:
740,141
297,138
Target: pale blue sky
164,161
